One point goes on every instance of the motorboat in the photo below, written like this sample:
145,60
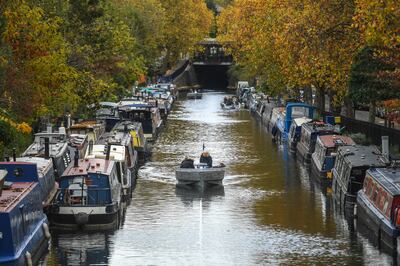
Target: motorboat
194,95
200,175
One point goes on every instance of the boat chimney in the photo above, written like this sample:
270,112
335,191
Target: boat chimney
125,128
14,154
46,148
385,147
76,158
90,147
156,103
49,129
159,95
108,152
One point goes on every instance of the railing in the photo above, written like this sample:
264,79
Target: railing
83,197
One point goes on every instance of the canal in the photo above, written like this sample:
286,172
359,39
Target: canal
269,211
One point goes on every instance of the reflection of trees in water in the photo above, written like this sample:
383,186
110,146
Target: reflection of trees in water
81,249
188,194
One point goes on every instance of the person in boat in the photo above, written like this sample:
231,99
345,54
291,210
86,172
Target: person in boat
206,158
187,163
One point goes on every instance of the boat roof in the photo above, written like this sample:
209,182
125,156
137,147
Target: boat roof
319,126
115,137
389,178
11,196
117,152
358,155
43,165
77,140
301,120
108,104
86,124
331,141
37,148
86,166
120,126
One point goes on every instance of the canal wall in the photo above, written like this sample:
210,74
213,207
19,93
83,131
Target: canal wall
186,79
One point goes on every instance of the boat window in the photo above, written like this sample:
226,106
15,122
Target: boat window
382,199
128,157
375,194
329,151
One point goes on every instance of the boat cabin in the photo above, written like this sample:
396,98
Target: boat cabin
292,111
92,129
378,205
323,159
78,143
295,132
146,114
51,145
266,112
349,171
139,140
308,137
108,114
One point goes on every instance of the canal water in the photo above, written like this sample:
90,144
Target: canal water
269,211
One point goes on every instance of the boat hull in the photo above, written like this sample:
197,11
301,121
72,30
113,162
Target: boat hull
194,95
200,177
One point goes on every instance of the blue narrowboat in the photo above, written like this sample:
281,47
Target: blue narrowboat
292,110
24,230
295,132
349,172
308,138
89,197
378,206
323,159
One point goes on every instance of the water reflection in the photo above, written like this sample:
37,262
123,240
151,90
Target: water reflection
189,194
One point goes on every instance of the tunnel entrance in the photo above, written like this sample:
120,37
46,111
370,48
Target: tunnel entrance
212,76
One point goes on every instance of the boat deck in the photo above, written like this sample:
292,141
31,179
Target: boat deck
11,196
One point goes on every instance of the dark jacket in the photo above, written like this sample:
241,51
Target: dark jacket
187,163
207,160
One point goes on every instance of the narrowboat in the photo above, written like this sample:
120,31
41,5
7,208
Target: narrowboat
119,146
78,142
24,230
139,140
291,111
266,114
52,145
108,114
89,197
276,112
378,207
349,172
90,128
323,159
146,114
295,132
308,138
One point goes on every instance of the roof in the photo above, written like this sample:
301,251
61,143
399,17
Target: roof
388,178
108,104
37,148
10,197
319,126
358,155
331,141
130,124
117,152
86,166
77,140
301,120
86,124
43,165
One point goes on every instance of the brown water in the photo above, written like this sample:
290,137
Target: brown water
269,210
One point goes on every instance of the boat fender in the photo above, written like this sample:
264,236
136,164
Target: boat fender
46,230
28,258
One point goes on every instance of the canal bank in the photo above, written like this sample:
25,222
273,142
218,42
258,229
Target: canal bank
269,211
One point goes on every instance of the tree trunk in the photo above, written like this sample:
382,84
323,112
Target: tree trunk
308,95
372,111
321,99
347,108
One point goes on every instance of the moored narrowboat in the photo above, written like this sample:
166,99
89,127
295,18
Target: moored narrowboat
24,230
295,132
308,138
323,159
52,145
119,146
291,111
378,206
139,140
268,106
89,197
90,128
146,114
108,114
349,172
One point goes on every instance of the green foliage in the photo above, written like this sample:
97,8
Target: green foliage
366,84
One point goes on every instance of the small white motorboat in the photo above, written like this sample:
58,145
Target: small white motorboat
194,95
201,175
